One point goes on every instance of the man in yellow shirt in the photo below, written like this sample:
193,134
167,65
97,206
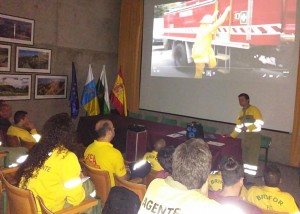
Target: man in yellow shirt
249,123
270,197
102,155
23,128
152,156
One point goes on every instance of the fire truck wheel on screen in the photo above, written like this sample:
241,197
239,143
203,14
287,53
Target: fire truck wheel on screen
179,55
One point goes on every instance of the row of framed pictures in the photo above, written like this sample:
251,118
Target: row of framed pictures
18,87
32,60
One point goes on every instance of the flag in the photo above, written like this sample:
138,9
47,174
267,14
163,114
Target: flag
89,98
102,90
118,95
74,102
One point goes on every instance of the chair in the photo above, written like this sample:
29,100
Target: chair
265,144
151,118
86,204
150,177
134,115
101,180
169,121
139,189
209,129
272,212
183,124
13,141
23,201
4,155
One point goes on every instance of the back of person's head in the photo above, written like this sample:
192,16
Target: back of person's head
159,144
232,172
101,128
272,176
246,96
164,158
19,115
191,163
5,110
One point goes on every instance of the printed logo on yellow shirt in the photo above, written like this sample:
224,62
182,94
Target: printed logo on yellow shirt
46,168
270,198
91,161
158,208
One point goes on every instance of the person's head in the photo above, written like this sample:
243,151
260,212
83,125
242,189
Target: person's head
20,118
272,176
191,163
232,173
58,133
164,158
244,99
5,111
159,144
104,130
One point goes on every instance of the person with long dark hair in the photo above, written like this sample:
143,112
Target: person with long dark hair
52,169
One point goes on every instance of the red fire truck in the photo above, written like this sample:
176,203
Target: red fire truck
255,30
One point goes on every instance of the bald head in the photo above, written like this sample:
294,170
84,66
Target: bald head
105,130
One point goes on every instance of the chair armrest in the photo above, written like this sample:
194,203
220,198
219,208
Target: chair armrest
80,207
137,180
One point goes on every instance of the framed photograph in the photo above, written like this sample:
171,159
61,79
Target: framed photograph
50,87
5,54
33,60
16,30
15,87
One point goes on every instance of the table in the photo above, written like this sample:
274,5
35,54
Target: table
86,135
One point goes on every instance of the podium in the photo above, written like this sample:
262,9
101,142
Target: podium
136,145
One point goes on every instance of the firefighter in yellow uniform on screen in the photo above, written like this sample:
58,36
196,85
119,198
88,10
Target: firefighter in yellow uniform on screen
202,52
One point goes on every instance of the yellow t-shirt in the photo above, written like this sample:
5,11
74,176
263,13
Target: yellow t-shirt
215,181
23,134
271,198
152,158
102,155
169,196
58,181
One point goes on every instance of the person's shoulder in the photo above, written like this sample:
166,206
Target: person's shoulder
254,189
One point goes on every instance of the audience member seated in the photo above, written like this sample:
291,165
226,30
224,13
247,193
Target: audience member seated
23,128
5,115
232,178
164,158
185,191
270,197
52,169
152,156
102,155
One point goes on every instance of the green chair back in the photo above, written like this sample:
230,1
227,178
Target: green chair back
209,129
183,124
169,121
134,115
151,118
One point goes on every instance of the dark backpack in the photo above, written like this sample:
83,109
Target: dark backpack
121,201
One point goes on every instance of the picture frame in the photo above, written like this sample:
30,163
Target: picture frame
50,87
16,29
33,60
15,87
5,56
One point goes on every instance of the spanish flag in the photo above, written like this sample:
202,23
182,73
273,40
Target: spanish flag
89,98
118,95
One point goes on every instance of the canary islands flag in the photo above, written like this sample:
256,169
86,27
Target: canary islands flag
118,95
89,98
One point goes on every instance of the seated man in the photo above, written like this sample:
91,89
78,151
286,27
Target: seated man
152,156
232,178
269,197
164,158
185,191
102,155
23,128
5,115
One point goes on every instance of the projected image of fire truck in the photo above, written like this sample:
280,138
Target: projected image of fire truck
256,33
